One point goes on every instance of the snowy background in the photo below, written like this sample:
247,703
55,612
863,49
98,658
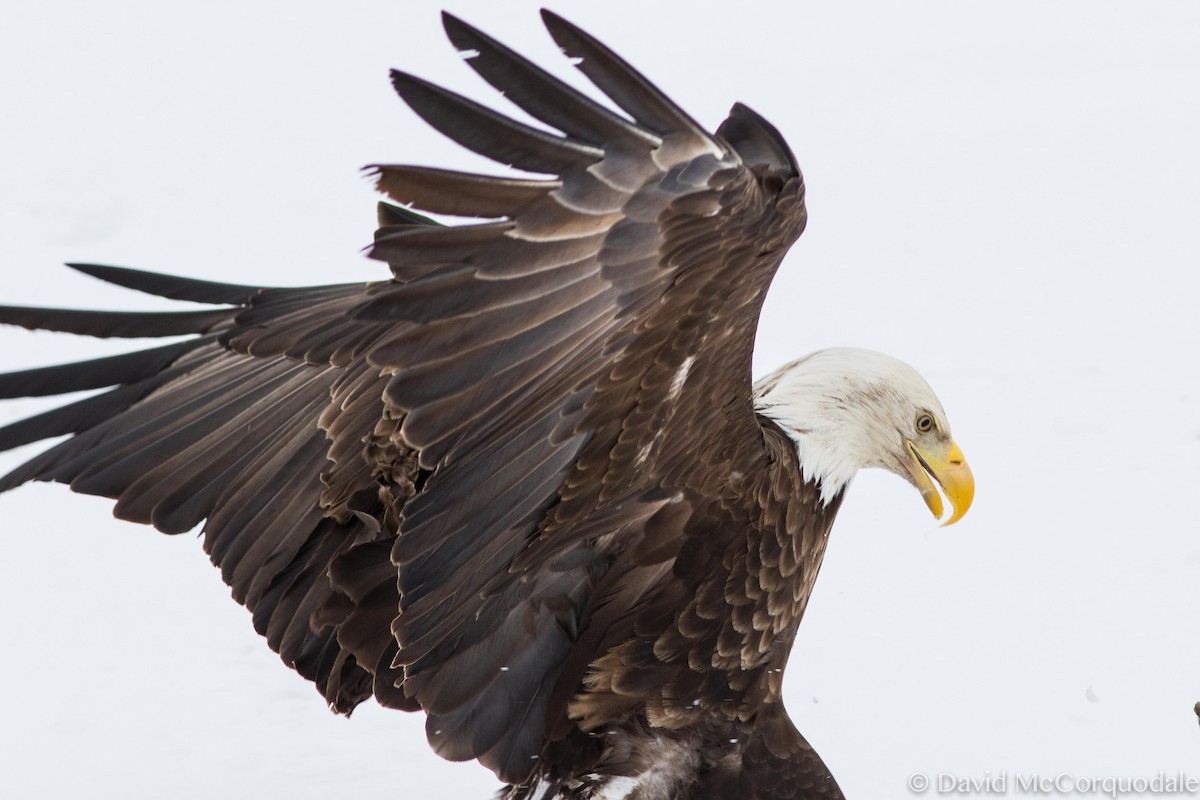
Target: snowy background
1006,195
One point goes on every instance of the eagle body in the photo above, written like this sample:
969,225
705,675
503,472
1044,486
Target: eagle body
525,485
696,636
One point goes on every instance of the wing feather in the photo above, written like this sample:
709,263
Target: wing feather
458,193
95,373
77,417
432,488
172,287
112,324
482,130
170,443
627,87
541,94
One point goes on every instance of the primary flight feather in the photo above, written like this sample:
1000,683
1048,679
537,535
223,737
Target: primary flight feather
526,484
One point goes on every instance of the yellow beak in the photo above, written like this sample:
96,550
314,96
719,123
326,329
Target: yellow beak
948,467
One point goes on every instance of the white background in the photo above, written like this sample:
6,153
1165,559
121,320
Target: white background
1006,195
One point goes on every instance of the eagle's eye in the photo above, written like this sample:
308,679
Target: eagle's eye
925,423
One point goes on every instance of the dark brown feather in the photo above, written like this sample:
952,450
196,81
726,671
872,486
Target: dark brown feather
497,137
95,373
171,287
627,87
541,94
114,324
458,193
521,485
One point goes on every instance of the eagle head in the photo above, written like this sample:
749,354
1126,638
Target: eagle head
848,409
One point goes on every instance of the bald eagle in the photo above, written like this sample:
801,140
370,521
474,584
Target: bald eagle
524,485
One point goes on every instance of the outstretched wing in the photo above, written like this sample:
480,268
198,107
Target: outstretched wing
405,481
267,452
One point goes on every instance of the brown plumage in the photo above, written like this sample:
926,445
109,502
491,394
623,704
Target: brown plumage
521,485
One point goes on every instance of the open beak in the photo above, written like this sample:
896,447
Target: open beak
948,467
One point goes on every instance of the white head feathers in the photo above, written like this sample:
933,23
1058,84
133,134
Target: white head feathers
848,409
